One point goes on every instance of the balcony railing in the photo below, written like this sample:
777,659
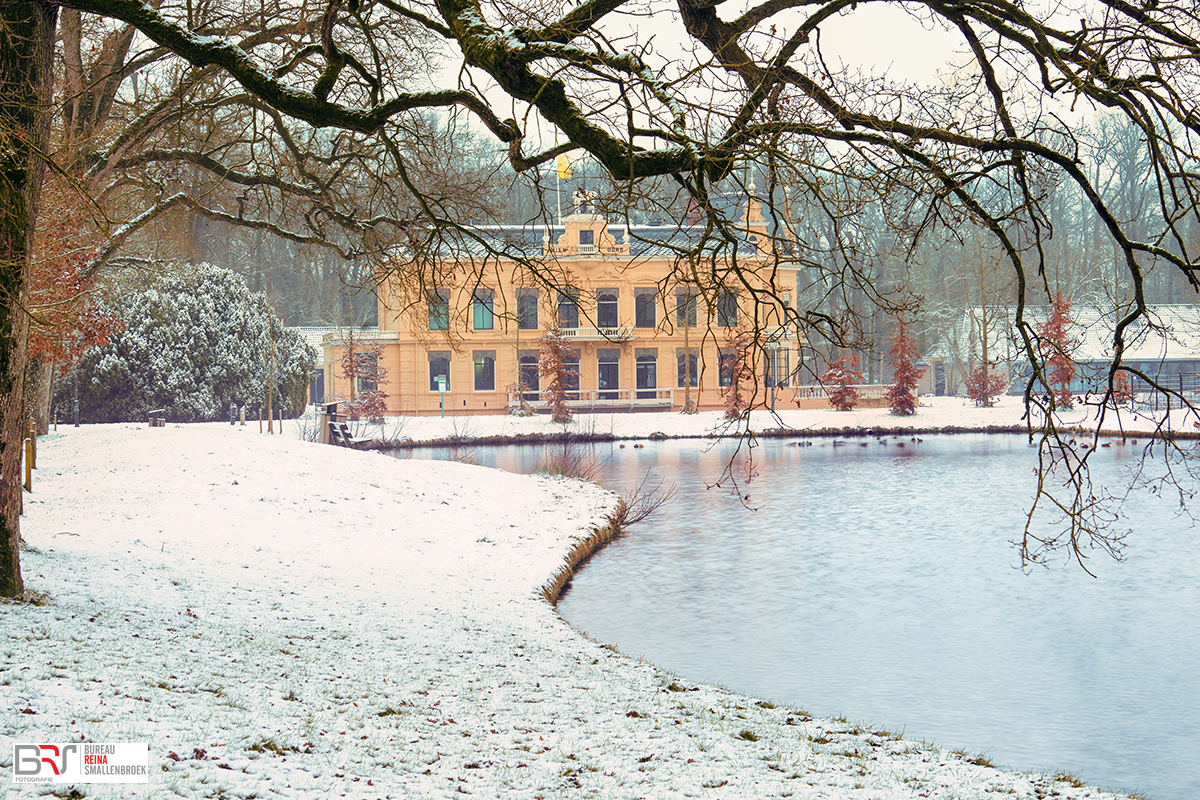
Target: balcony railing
869,391
778,333
601,399
620,334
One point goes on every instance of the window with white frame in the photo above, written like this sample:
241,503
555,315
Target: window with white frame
568,311
727,358
688,362
646,372
571,381
608,363
645,305
727,310
530,379
686,308
483,317
439,310
606,308
779,369
439,370
527,309
485,370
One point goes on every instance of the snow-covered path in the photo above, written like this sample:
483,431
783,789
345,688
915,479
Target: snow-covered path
279,618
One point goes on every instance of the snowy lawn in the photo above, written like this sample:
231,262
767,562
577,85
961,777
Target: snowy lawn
934,413
279,618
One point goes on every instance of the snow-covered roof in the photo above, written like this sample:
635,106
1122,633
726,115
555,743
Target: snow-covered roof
527,241
1170,333
314,335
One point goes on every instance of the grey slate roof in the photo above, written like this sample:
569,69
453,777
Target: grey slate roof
1172,334
645,241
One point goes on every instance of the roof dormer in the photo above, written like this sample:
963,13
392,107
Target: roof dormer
585,233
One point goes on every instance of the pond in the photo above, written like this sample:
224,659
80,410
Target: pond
879,583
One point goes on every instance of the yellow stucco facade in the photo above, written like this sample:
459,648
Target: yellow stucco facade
631,323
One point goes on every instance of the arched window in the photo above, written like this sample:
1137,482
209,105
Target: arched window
568,311
530,380
485,370
689,366
645,304
646,371
606,308
527,309
482,318
439,370
608,372
439,310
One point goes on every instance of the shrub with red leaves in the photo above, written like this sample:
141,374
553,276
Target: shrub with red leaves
902,396
842,375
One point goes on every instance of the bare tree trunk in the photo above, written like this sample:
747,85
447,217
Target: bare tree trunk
984,328
26,58
39,392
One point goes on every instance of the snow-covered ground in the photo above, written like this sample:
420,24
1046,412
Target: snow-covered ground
934,413
279,618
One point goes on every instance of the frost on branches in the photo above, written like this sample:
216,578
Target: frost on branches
195,341
902,396
554,358
1056,345
839,381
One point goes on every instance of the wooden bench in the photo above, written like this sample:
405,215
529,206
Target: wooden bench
339,434
157,418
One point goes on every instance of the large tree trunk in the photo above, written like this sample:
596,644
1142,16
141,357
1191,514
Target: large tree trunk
26,57
39,392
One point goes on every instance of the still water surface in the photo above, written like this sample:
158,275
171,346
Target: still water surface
879,583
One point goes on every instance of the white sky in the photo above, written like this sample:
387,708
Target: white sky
882,37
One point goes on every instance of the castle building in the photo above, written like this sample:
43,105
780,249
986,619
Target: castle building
467,340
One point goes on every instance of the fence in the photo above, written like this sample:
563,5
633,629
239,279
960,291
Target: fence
867,391
607,399
1145,398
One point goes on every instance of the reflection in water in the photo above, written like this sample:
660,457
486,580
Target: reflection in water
880,582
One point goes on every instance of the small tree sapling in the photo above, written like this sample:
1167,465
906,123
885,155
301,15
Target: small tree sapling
1056,344
735,369
842,375
983,384
554,356
362,366
902,396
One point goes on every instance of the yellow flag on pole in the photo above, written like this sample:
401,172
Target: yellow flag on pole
564,168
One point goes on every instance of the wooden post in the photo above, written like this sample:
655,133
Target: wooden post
28,468
32,445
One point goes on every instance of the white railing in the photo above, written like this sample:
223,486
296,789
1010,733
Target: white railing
602,398
620,334
777,333
868,391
